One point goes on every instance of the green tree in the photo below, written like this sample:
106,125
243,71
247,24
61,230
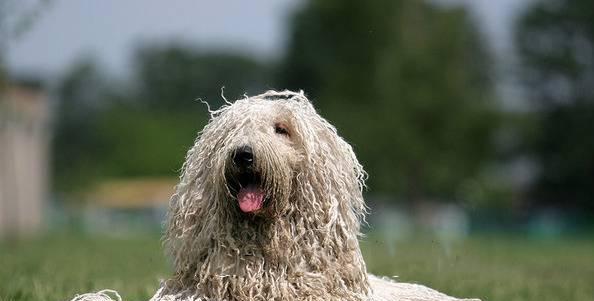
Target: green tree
173,77
407,82
555,40
142,127
154,125
82,95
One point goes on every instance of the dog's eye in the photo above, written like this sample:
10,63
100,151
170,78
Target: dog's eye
281,129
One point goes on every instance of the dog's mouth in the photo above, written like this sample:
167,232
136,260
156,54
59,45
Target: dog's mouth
248,192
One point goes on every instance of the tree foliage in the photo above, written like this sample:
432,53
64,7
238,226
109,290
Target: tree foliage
407,82
76,146
174,77
144,127
555,40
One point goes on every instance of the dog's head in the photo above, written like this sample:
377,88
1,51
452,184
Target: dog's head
267,158
270,197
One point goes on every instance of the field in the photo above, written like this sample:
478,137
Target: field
494,268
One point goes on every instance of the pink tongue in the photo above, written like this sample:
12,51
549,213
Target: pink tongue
250,199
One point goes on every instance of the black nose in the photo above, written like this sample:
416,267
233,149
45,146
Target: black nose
243,157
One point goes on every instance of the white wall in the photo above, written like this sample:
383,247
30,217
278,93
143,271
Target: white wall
24,137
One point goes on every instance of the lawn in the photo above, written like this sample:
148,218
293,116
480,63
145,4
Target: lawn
493,268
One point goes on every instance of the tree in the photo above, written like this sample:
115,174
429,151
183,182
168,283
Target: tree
555,40
82,95
173,77
142,127
161,115
407,82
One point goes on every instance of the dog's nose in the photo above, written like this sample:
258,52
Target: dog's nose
243,156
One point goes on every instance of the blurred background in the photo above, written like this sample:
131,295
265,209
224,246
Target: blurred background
474,120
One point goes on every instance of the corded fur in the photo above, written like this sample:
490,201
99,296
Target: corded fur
304,246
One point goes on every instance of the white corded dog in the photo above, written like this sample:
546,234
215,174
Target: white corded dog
269,207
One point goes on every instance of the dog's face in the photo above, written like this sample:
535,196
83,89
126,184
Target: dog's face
263,153
270,159
266,180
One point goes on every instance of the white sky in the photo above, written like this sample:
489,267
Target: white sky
109,29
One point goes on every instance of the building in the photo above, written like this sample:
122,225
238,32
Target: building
24,146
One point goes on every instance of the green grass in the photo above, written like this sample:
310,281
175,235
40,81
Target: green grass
57,268
495,268
492,268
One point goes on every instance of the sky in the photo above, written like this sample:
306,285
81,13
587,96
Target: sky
108,30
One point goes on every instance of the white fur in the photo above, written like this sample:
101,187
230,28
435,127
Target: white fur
304,246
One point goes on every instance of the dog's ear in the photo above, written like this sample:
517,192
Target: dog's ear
333,166
188,215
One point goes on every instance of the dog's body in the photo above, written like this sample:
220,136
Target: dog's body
269,208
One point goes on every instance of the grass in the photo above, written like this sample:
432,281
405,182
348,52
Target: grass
57,268
492,268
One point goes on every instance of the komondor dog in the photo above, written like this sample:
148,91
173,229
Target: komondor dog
269,207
